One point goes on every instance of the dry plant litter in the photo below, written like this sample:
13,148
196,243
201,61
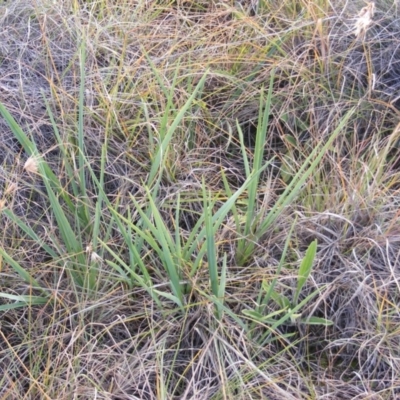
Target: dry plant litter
199,199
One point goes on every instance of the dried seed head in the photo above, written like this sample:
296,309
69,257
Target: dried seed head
364,20
31,165
11,188
2,203
95,257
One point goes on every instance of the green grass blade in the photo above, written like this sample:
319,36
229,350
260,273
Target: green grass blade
262,128
219,305
33,301
170,262
50,181
270,288
62,148
297,308
178,246
279,299
210,244
316,321
294,187
305,269
125,226
81,144
67,233
222,283
218,218
28,146
93,272
31,150
157,164
30,232
21,271
243,149
302,175
119,265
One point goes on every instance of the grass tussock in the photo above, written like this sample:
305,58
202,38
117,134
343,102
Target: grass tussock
199,199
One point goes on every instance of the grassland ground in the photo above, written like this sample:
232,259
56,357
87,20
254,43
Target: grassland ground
199,199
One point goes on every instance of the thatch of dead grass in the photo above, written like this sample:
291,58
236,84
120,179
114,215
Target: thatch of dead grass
166,168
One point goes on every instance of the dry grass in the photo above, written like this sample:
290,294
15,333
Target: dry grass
143,166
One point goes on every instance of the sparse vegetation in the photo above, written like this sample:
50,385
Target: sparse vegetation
199,199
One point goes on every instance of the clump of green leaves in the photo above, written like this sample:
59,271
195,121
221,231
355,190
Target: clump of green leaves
289,309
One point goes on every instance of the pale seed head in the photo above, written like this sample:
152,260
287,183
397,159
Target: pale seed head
31,165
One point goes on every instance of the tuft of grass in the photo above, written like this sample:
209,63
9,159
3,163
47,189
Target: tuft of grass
199,199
